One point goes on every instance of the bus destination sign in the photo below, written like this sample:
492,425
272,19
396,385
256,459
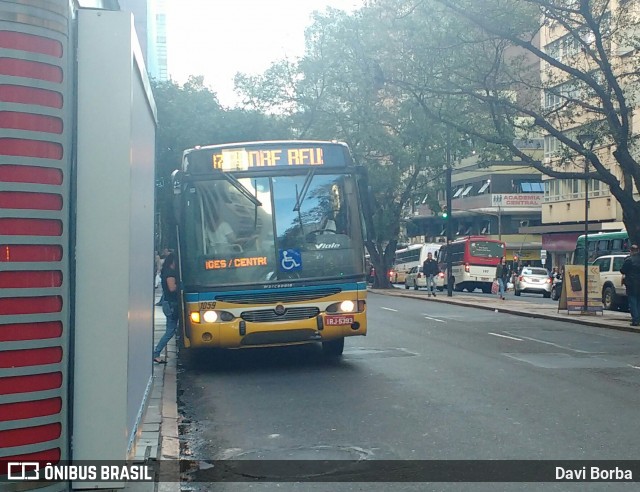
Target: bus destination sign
242,159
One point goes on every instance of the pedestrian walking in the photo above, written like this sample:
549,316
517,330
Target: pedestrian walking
631,278
430,270
169,280
502,277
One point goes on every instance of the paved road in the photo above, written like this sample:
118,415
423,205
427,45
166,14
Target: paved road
431,381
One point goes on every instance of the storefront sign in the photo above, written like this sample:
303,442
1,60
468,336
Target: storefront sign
573,286
520,200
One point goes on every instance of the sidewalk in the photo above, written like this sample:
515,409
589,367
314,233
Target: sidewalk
159,438
608,319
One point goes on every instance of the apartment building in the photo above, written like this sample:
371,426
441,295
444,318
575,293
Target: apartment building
564,202
496,201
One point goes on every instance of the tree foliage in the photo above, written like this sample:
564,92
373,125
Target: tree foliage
190,115
484,56
335,92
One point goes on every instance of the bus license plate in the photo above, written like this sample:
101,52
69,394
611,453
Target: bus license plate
485,279
332,320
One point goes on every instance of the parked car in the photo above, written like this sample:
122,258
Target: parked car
535,280
614,294
415,278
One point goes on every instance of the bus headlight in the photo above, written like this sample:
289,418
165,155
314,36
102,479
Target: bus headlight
195,316
347,306
214,316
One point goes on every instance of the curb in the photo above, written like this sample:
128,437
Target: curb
169,436
529,314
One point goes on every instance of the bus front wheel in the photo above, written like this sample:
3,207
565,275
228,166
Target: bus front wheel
333,348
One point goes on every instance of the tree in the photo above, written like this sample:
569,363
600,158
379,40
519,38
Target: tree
190,115
486,54
335,92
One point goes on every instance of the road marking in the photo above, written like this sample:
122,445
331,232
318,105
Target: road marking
435,319
389,309
558,345
635,367
505,336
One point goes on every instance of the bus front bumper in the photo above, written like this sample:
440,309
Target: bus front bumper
244,334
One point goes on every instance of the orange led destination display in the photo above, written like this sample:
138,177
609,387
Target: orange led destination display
235,263
266,156
233,159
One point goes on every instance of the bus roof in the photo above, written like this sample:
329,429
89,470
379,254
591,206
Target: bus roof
606,235
476,238
260,143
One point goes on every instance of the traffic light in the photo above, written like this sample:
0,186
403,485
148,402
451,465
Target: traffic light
444,213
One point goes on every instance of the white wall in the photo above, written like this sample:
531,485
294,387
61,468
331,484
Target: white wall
114,238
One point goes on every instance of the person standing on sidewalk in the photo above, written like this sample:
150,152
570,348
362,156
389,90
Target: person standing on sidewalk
430,271
631,278
169,280
502,277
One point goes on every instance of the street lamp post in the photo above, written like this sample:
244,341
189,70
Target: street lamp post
450,214
586,138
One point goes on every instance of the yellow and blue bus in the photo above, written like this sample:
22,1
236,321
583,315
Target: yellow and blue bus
271,246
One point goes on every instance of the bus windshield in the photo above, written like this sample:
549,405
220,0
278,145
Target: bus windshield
266,229
486,249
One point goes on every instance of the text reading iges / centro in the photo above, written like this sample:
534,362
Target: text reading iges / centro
235,263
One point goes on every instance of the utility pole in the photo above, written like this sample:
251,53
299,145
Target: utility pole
449,214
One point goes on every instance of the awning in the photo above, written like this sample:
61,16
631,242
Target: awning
564,242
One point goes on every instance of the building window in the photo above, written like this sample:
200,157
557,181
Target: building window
551,146
467,191
457,193
531,187
484,187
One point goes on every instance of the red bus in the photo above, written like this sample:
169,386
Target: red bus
474,260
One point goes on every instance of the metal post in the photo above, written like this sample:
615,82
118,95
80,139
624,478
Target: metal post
449,218
499,223
586,236
584,139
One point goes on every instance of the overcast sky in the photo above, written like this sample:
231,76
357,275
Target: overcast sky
217,38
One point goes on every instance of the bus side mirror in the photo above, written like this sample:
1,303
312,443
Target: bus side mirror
176,184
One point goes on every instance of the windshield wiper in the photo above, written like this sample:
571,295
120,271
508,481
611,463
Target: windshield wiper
303,191
242,189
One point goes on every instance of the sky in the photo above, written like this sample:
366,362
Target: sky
217,38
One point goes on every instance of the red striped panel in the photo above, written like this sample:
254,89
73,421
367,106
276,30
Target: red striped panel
30,383
30,174
30,252
30,122
42,457
30,95
30,69
30,279
30,148
31,201
29,435
11,226
28,42
30,357
30,305
30,331
30,409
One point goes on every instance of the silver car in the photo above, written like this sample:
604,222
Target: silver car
535,280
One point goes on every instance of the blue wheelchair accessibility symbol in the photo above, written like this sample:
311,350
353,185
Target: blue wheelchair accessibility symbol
290,260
